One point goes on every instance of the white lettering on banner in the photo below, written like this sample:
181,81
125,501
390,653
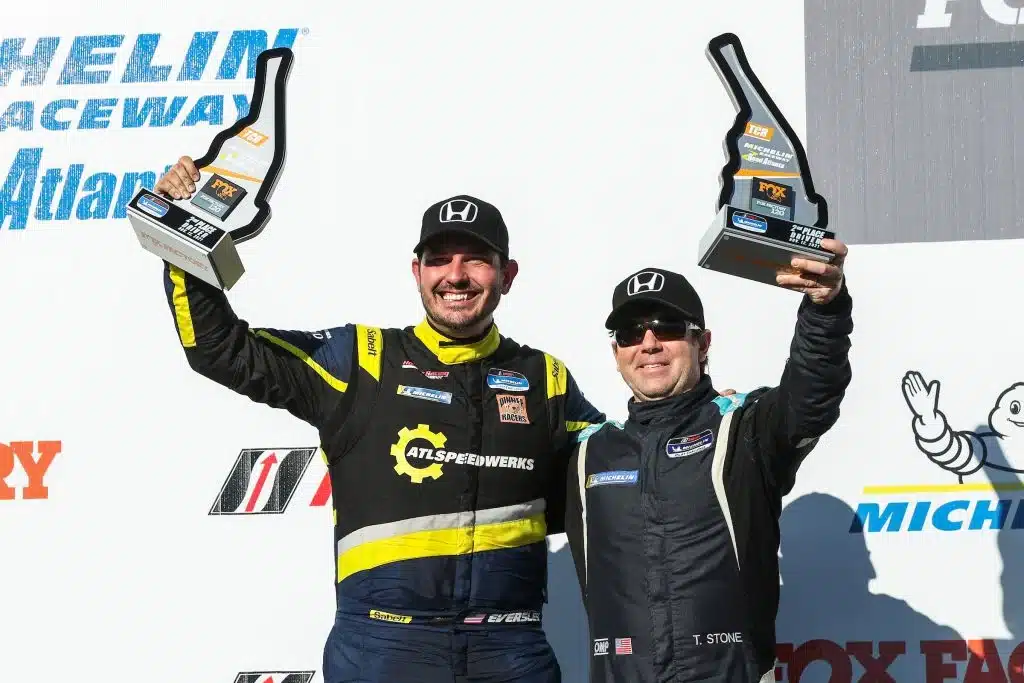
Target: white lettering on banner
936,13
440,455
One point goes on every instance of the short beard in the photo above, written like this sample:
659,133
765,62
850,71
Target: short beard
461,324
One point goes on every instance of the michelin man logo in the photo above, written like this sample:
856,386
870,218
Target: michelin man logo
964,453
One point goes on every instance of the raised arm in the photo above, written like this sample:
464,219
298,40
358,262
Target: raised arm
303,372
788,420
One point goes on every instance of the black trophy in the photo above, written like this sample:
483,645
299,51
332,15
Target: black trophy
767,210
237,176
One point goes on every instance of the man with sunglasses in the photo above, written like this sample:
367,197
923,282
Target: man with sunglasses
672,516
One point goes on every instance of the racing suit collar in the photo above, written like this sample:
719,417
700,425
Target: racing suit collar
646,412
455,351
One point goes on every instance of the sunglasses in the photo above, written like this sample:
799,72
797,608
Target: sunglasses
664,330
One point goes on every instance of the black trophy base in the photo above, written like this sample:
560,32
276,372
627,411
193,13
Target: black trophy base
756,247
183,239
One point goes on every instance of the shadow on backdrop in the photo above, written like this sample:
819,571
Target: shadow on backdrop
826,605
1011,550
564,619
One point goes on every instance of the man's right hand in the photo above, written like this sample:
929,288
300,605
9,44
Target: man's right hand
180,180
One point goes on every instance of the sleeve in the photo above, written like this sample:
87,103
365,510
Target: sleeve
571,413
305,373
788,420
571,410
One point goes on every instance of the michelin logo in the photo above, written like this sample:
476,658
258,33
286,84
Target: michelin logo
507,380
748,221
964,453
682,446
622,477
154,206
426,394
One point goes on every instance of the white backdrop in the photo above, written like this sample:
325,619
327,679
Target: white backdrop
596,128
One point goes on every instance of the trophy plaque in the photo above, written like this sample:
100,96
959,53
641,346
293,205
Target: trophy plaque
767,210
237,176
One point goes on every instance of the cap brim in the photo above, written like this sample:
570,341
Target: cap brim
636,306
418,249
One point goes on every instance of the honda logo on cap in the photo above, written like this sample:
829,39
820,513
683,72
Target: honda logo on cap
458,210
646,281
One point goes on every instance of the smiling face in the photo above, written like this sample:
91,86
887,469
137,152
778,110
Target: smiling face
461,282
665,361
1007,417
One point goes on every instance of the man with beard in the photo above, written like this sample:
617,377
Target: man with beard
443,441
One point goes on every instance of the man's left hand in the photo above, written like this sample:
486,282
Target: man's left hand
820,281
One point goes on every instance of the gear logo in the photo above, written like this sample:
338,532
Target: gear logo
400,450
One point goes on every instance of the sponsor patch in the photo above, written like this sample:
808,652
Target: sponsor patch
682,446
531,617
507,380
622,477
600,646
408,365
435,374
512,409
388,616
426,394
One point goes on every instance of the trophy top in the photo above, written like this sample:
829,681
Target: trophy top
767,170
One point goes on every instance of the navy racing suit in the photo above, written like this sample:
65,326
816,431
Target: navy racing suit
673,516
447,462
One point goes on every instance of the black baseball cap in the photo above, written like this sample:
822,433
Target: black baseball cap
652,287
465,215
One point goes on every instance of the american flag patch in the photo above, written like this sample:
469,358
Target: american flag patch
623,646
475,619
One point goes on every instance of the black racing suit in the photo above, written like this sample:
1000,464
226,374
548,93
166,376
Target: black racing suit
673,516
443,457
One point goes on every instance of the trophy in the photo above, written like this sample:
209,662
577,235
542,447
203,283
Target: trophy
767,210
237,176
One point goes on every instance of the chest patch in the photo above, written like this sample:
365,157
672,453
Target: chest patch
507,380
682,446
512,409
426,394
620,477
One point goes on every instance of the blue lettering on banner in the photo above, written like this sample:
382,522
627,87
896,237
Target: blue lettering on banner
621,477
426,394
30,70
949,515
507,380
